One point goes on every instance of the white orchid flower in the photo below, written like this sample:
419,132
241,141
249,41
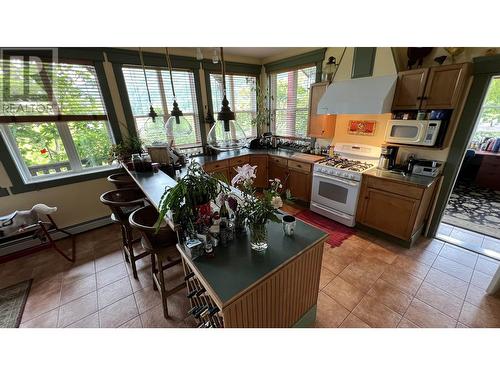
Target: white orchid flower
276,202
245,174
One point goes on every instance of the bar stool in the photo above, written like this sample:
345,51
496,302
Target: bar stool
122,203
162,246
122,180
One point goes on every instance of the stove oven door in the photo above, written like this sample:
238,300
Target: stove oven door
336,193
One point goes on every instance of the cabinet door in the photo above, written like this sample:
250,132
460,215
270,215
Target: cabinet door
409,89
278,171
222,173
261,162
390,213
319,126
443,86
300,185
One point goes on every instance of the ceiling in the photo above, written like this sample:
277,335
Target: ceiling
255,52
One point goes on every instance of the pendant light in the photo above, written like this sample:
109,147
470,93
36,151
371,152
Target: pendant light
151,131
226,134
176,123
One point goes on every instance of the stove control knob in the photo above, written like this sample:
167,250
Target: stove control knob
345,175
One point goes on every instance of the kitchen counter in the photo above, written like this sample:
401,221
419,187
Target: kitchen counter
299,156
422,181
275,288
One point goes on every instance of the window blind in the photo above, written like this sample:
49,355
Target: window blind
290,101
162,100
242,95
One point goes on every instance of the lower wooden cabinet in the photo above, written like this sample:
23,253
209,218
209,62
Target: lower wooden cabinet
278,171
394,208
262,177
299,184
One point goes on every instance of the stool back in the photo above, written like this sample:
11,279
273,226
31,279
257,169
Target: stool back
122,180
122,201
144,220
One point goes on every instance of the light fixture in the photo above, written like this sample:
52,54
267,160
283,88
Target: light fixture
176,124
226,134
152,114
215,57
199,54
330,68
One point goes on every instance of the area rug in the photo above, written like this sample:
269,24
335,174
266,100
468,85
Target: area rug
12,302
474,208
337,233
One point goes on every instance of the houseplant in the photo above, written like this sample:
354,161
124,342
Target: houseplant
261,119
123,151
257,210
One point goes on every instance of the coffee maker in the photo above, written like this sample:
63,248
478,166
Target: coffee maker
387,159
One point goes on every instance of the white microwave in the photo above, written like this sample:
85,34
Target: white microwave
413,132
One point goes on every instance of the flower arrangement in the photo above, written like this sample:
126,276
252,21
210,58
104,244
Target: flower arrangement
257,210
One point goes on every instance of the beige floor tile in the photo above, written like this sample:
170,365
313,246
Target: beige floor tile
453,268
487,265
359,277
146,299
41,301
153,318
447,282
412,266
372,265
132,323
325,277
46,320
116,314
439,299
467,236
381,253
77,309
426,316
352,321
403,281
114,292
144,280
480,279
330,313
491,243
79,271
348,253
479,298
332,262
421,255
91,321
432,245
76,289
390,296
445,229
405,323
459,255
111,274
376,314
344,293
109,260
475,317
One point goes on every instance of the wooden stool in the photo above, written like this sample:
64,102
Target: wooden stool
122,203
162,246
122,180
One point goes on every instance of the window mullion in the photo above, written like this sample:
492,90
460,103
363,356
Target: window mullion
69,146
11,142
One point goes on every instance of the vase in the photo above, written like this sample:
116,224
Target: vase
258,236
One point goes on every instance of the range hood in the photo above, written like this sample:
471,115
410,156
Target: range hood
370,95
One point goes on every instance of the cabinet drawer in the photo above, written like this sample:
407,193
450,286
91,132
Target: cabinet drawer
277,160
299,166
395,187
208,167
240,160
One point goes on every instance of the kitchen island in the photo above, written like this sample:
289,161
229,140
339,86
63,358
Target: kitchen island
275,288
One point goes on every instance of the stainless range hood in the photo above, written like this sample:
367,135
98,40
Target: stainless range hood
370,95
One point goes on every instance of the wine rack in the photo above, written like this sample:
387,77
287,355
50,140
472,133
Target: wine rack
203,308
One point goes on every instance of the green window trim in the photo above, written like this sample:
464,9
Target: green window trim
484,68
315,57
4,192
18,184
119,58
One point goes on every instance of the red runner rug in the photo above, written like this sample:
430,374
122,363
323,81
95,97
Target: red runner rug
337,232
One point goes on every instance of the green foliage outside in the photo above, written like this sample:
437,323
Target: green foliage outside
489,123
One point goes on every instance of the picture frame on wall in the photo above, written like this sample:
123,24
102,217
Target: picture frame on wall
358,127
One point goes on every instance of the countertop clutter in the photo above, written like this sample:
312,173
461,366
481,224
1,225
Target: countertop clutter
299,156
411,179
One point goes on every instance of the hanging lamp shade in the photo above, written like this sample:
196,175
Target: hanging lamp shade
226,134
177,126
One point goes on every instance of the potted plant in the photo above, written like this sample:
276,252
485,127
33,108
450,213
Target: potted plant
261,119
257,210
189,200
123,151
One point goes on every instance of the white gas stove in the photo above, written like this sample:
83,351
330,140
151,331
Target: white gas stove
337,181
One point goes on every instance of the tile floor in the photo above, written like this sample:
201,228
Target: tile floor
470,240
365,282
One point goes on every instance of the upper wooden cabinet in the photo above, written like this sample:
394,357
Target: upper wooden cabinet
438,87
319,126
410,89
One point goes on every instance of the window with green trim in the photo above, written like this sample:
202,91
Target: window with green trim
241,91
53,118
160,88
290,101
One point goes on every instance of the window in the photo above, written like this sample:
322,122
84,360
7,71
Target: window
488,123
241,91
61,128
290,101
162,100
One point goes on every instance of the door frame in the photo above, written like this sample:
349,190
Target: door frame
484,68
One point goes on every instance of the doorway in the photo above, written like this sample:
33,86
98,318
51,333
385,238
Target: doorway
471,218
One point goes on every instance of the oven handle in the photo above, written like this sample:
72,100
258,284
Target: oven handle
345,182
